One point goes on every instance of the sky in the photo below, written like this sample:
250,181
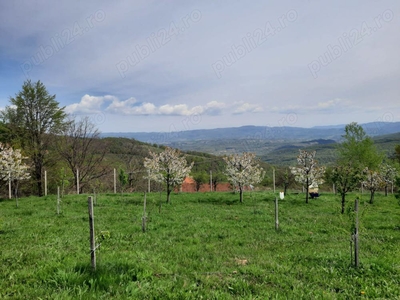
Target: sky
143,66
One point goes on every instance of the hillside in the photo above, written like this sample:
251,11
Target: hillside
263,133
277,153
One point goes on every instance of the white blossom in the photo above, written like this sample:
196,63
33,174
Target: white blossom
372,182
167,167
242,170
307,172
11,164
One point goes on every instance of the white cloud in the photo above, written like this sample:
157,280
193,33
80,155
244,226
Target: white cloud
118,106
245,107
88,104
94,104
190,71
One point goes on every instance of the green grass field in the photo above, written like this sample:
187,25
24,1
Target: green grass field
202,246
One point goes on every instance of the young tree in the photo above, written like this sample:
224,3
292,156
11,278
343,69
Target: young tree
12,168
346,178
217,177
358,148
200,178
388,175
122,178
284,178
243,170
308,173
167,167
32,118
79,147
373,181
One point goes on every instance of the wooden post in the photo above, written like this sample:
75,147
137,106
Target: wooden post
77,181
273,177
276,214
144,214
9,186
356,245
45,183
58,200
115,181
92,236
333,188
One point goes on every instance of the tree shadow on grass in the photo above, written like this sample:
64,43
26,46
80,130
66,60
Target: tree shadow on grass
220,200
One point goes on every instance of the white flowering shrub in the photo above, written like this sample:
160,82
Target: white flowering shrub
12,167
372,182
168,167
243,170
388,175
307,172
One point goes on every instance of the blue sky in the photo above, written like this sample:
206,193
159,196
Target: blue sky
182,65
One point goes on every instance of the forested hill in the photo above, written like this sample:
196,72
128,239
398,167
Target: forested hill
256,132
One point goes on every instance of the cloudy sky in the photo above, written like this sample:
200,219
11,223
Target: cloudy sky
182,65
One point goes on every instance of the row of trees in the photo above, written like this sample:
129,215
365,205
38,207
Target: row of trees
170,168
359,164
35,127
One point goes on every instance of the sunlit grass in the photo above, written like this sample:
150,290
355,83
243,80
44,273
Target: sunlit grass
202,245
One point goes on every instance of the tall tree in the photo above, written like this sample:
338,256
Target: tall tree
168,167
358,148
243,170
78,146
346,178
307,172
32,118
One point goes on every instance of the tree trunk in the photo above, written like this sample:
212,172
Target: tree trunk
168,193
241,194
38,177
371,200
343,202
38,165
386,190
307,190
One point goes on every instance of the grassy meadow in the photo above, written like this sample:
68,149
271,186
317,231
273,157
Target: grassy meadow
201,246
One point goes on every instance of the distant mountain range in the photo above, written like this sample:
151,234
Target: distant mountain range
282,133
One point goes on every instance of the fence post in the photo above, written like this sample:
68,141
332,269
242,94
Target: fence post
92,236
9,186
45,183
115,181
273,177
77,181
58,200
276,214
